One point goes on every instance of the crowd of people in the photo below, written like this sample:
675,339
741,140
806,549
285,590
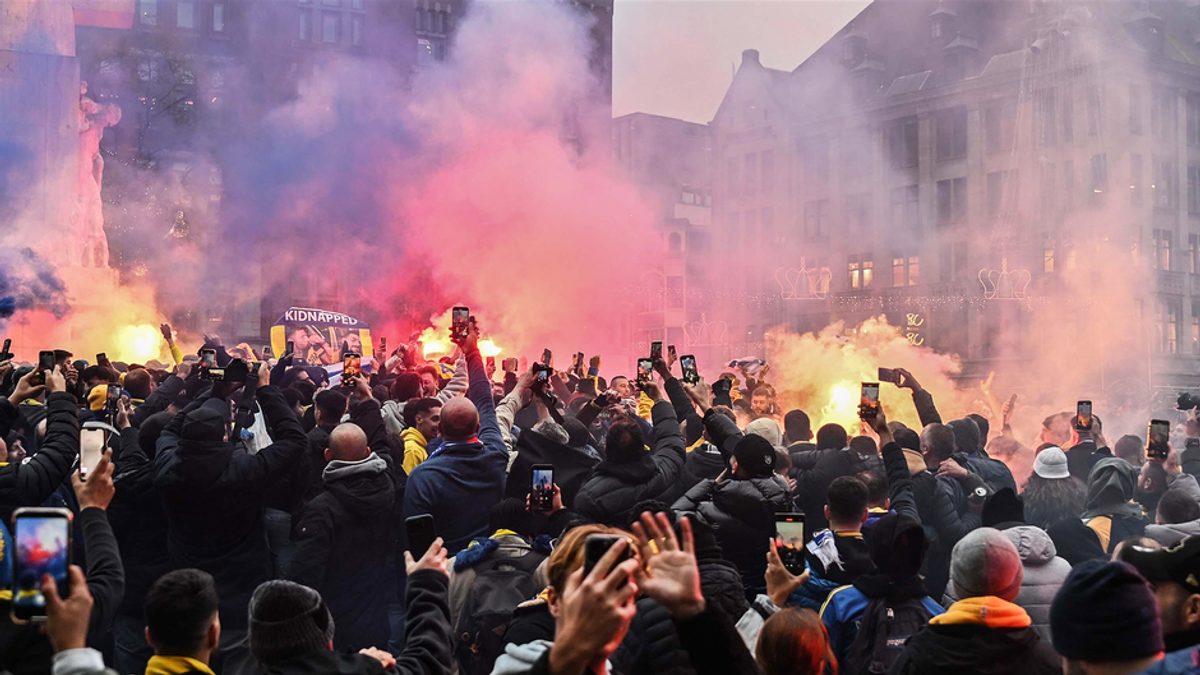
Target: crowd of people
250,515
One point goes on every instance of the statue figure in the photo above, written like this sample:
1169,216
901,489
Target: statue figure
89,245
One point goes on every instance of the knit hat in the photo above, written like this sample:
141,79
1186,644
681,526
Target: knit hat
1003,508
966,434
209,422
287,620
1180,563
97,397
1105,611
1051,463
755,456
985,562
767,428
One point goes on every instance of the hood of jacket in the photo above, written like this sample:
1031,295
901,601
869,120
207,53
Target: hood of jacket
414,435
199,464
744,498
1185,482
1110,490
363,487
961,644
1033,544
986,610
520,658
1169,535
916,463
327,662
393,416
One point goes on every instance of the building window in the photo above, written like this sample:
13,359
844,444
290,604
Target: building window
1164,184
733,225
1135,180
858,212
902,143
750,230
816,219
906,270
330,23
906,207
1162,250
733,177
1135,109
855,152
1068,118
813,154
148,14
1167,319
218,24
768,171
935,29
1095,94
185,14
954,262
951,136
1044,118
999,128
1099,181
952,200
1193,119
1193,254
356,31
1194,190
1162,113
305,26
330,3
861,271
1068,186
1002,190
751,163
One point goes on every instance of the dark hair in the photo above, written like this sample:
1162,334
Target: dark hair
624,442
331,403
907,438
293,396
429,370
783,461
763,390
984,426
406,385
1051,500
96,373
307,390
795,642
180,607
137,383
1129,448
796,426
832,436
941,441
510,514
151,429
418,406
380,392
577,433
877,487
1176,506
864,445
847,498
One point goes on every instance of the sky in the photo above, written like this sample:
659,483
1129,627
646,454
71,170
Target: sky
675,57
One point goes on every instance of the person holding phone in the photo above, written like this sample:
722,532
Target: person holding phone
1110,514
31,483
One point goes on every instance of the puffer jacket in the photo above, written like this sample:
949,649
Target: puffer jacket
742,515
1169,535
652,645
943,523
1044,574
30,482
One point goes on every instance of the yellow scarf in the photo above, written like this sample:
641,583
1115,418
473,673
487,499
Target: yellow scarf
987,610
173,665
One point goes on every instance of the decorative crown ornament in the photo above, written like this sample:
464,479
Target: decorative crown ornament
704,334
1004,284
803,283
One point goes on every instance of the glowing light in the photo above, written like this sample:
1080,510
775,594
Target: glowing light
139,344
843,406
436,347
488,348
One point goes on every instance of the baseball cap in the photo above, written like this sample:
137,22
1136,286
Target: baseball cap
1179,563
755,455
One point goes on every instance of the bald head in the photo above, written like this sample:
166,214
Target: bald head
460,419
347,442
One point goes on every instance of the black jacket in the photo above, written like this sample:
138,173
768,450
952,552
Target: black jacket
971,648
614,489
214,502
29,483
158,400
343,538
944,526
652,645
812,487
1082,457
742,515
139,522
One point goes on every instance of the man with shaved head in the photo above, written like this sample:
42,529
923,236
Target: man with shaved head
460,482
344,534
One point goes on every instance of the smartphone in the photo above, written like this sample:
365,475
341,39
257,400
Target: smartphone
43,546
208,358
351,365
687,363
1156,440
789,528
459,319
421,533
111,398
267,352
213,374
868,407
510,365
91,448
542,373
46,360
1083,415
655,350
541,490
671,355
382,348
102,359
889,375
577,364
290,348
6,353
547,358
597,545
645,372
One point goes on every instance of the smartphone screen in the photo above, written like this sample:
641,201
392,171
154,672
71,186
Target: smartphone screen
869,405
541,491
888,375
656,350
102,359
291,347
382,348
267,352
596,546
645,371
547,358
458,323
5,354
111,397
351,365
671,354
91,448
43,542
1083,415
1157,438
208,358
45,360
543,374
687,363
421,533
578,360
491,362
789,527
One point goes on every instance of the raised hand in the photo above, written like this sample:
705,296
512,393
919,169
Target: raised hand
780,582
670,574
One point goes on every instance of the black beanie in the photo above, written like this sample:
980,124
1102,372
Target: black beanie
1003,508
1105,611
287,620
207,423
755,456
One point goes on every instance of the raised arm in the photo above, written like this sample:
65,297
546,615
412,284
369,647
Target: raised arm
922,399
31,482
458,382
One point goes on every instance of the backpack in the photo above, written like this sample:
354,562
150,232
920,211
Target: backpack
882,631
501,583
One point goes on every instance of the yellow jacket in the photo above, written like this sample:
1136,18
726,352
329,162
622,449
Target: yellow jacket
414,448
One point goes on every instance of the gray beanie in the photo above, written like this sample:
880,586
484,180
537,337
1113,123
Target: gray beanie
287,620
767,428
985,562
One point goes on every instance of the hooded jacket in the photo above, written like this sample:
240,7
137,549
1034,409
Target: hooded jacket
985,635
214,495
342,541
943,523
1044,574
741,512
1169,535
615,488
29,483
414,448
1109,509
